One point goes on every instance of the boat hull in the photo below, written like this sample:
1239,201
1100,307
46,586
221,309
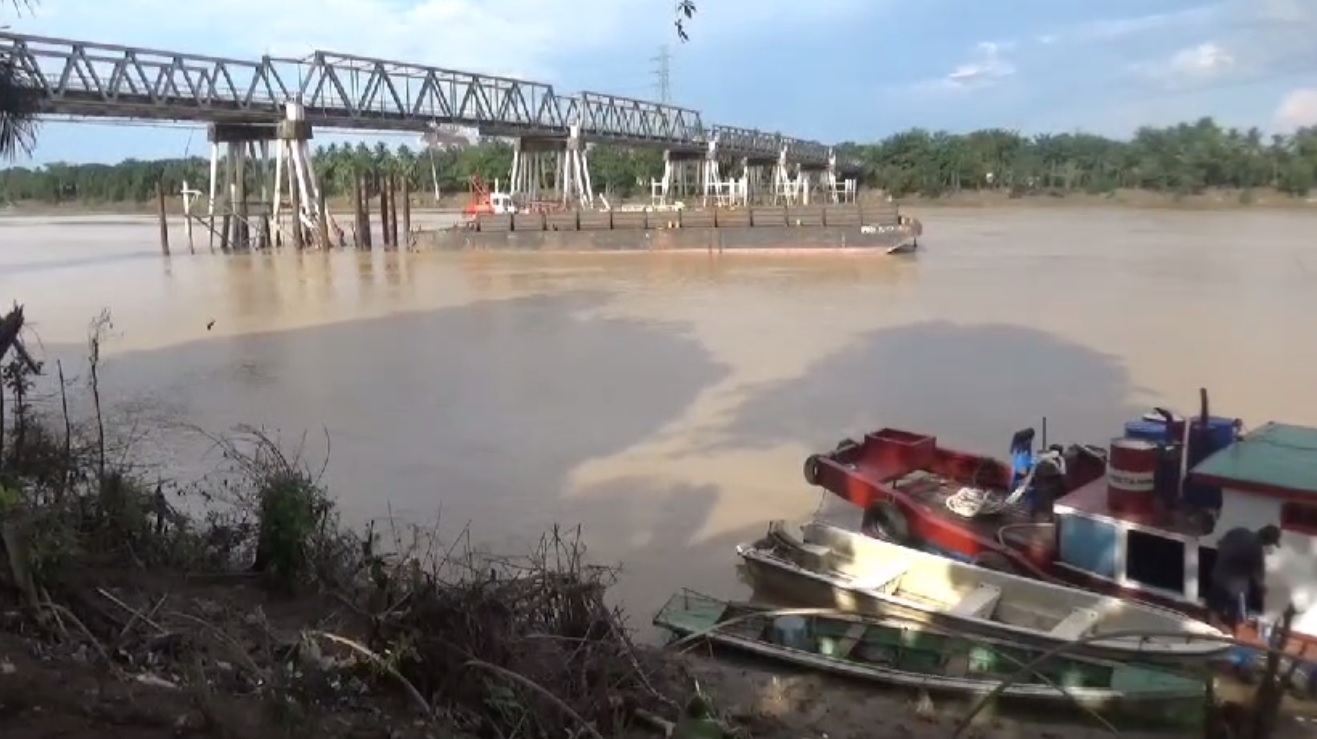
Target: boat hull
878,239
1160,698
812,587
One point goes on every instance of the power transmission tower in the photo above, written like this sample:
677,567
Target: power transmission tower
663,71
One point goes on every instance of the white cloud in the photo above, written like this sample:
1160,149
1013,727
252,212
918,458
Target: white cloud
1253,40
1298,109
985,68
1192,65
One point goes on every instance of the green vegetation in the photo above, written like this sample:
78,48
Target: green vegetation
265,616
1180,160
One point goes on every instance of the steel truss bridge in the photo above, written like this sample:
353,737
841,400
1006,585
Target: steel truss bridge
94,80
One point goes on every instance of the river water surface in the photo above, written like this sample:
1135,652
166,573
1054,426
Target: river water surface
666,403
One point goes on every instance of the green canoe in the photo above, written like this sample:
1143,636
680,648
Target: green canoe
912,655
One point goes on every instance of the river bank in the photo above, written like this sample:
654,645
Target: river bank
1260,198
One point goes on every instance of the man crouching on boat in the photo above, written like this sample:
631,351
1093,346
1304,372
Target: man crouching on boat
1241,565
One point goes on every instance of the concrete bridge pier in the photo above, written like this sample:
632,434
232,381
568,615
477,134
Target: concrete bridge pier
239,163
757,172
295,175
552,170
534,170
719,192
682,172
812,181
837,185
790,187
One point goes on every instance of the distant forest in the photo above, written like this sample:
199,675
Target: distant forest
1182,159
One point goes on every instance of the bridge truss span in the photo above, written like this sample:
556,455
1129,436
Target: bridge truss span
378,92
640,121
344,91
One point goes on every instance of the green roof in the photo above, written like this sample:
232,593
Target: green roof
1276,455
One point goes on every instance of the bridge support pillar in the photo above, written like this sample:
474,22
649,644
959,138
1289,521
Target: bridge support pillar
552,169
295,175
244,161
682,173
787,182
839,189
813,180
757,172
719,192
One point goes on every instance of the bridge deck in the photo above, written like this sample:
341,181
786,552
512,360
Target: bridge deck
95,80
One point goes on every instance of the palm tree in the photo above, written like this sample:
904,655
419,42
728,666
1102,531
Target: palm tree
20,102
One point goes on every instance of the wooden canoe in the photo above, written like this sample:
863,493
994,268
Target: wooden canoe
902,653
849,571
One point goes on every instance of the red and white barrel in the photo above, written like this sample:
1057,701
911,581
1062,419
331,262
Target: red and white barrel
1132,475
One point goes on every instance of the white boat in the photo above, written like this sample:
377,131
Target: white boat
836,568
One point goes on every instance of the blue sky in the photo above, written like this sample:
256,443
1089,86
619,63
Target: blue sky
825,69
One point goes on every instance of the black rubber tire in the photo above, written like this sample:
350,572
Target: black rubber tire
886,521
813,464
995,561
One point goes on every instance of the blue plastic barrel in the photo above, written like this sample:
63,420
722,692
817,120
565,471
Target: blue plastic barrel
1146,430
1220,433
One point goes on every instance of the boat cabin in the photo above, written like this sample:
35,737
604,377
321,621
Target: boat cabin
1140,529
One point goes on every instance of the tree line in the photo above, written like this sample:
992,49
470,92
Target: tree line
1182,159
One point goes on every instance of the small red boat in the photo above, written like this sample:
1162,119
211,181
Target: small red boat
1139,519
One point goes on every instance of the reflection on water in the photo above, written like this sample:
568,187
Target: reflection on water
666,401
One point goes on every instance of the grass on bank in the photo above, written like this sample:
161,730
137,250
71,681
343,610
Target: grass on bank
266,596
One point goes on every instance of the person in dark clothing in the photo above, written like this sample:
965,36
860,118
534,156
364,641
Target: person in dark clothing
1241,566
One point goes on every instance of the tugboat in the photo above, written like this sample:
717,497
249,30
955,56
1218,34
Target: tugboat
1138,520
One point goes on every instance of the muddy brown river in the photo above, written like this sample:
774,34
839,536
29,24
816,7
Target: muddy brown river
665,403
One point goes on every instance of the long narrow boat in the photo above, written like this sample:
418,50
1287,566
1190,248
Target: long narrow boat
905,654
849,571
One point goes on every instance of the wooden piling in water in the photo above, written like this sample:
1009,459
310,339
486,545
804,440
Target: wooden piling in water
367,238
226,222
406,212
381,184
164,222
393,209
356,211
322,210
242,235
295,206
